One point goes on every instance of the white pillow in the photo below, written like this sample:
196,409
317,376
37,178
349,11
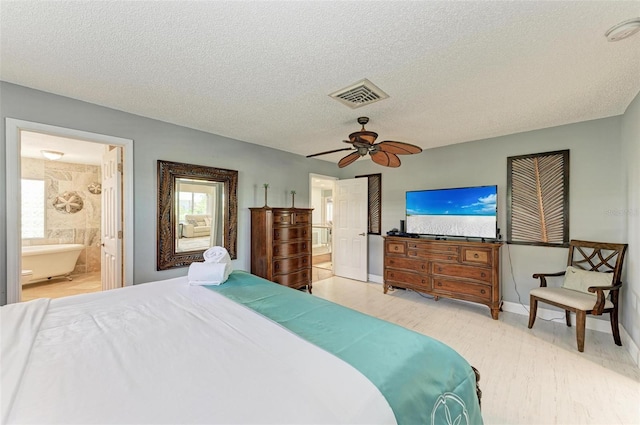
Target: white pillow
580,280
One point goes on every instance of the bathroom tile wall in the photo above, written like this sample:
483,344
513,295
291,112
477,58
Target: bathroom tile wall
82,227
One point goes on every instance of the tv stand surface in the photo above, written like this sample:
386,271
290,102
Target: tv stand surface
462,270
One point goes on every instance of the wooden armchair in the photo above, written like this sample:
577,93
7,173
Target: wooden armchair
591,285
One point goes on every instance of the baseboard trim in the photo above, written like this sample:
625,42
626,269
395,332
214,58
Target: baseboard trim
375,278
630,345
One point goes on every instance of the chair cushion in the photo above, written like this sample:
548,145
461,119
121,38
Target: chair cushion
569,297
580,280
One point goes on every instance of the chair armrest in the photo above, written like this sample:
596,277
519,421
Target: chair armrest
599,291
543,277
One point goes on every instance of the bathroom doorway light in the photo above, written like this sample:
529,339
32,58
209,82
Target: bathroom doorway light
52,155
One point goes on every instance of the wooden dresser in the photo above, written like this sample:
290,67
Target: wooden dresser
281,245
453,269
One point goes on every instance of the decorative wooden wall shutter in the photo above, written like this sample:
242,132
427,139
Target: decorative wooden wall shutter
538,199
375,202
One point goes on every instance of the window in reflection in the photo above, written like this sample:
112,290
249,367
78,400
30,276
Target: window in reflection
200,214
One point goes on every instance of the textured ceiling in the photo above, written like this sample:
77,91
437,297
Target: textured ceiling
262,71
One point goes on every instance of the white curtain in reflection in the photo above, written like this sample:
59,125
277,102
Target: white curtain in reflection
216,205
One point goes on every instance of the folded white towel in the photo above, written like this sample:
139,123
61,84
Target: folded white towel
208,273
216,254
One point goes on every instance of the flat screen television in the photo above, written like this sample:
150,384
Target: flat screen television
465,211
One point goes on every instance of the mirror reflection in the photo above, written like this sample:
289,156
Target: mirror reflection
197,209
200,214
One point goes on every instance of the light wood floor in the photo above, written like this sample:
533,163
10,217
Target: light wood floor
532,376
61,287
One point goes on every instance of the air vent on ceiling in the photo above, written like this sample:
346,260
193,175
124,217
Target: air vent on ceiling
359,94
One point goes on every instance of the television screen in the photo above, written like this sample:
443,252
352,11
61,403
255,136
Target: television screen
465,211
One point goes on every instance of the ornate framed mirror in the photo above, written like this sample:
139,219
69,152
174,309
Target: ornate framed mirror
197,208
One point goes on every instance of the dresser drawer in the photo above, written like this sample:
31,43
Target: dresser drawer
301,218
396,247
408,264
476,256
288,265
459,270
294,280
431,247
290,233
442,256
392,275
448,286
291,248
283,218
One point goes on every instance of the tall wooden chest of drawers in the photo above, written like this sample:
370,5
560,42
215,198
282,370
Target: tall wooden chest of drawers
281,245
453,269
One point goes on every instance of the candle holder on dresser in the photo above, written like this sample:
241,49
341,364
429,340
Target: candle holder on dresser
293,199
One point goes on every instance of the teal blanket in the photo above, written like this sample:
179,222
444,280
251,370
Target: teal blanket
423,380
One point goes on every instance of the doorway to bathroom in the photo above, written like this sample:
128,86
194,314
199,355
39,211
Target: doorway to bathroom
322,226
74,207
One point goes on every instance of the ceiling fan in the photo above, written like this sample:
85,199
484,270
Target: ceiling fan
383,153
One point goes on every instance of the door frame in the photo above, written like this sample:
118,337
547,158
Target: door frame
13,127
321,177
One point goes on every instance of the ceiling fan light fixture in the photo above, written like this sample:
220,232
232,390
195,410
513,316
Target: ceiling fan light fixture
383,153
623,30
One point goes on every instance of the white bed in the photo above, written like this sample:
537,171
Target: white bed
153,353
246,352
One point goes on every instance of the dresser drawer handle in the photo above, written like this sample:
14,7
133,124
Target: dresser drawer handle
423,281
482,291
304,261
304,233
304,274
395,248
483,274
476,256
391,274
277,266
440,269
448,258
277,234
392,262
439,283
304,246
422,266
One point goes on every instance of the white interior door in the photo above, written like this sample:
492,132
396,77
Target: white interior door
111,252
350,222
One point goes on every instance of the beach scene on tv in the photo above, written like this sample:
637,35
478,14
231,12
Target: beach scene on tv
468,212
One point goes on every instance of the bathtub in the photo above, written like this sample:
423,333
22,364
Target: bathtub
48,261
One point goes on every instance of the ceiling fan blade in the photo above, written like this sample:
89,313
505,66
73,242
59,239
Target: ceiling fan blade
348,159
324,153
398,148
385,158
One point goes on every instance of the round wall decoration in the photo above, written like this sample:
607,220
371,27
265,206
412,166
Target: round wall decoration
68,203
95,188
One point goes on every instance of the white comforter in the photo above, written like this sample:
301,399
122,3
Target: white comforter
168,352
